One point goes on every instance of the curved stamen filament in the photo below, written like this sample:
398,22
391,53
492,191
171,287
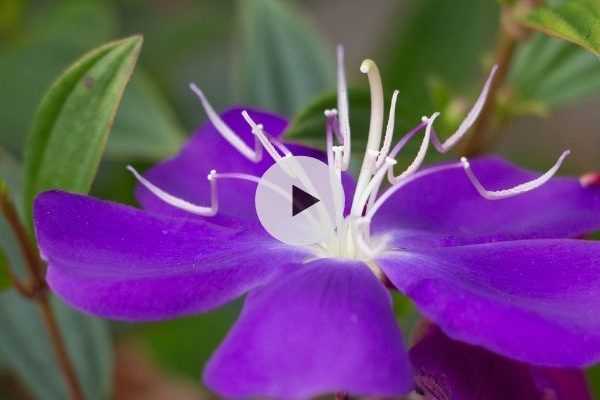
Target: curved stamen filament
469,119
367,169
180,203
259,132
389,131
226,132
375,182
416,164
342,104
515,190
375,129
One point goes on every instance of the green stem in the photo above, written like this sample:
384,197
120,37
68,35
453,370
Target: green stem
37,291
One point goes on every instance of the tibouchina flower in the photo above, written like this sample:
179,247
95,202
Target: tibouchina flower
482,249
447,369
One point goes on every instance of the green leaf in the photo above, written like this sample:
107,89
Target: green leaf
551,73
283,64
71,126
26,349
146,127
576,21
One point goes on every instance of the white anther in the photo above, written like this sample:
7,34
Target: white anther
180,203
416,164
226,132
330,113
389,131
515,190
342,106
468,121
259,132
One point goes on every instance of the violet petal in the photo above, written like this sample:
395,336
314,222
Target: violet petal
327,327
448,369
533,300
119,262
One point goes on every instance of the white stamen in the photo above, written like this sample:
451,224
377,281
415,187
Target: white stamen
468,121
342,104
259,132
416,164
375,127
376,181
225,131
366,170
255,179
389,131
516,190
180,203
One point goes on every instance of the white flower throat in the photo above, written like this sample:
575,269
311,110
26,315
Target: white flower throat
352,237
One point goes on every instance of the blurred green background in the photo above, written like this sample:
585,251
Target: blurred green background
278,55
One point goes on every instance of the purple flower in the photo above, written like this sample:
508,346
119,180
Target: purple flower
446,369
479,251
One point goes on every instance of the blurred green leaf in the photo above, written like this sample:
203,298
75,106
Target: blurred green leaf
25,348
74,119
185,345
551,72
283,63
577,21
439,39
50,40
146,127
309,124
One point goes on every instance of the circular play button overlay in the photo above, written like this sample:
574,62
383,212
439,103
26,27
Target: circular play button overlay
296,201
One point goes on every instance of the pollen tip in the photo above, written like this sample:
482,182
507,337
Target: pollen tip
212,174
366,65
464,162
390,161
424,118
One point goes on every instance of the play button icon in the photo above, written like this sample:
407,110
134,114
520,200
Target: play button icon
301,200
296,201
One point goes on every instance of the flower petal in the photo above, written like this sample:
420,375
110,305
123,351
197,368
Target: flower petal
185,175
328,327
447,204
448,369
533,300
122,263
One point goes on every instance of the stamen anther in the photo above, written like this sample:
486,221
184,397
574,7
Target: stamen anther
259,132
420,157
226,132
515,190
178,202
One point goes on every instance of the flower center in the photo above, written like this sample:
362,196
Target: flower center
352,232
